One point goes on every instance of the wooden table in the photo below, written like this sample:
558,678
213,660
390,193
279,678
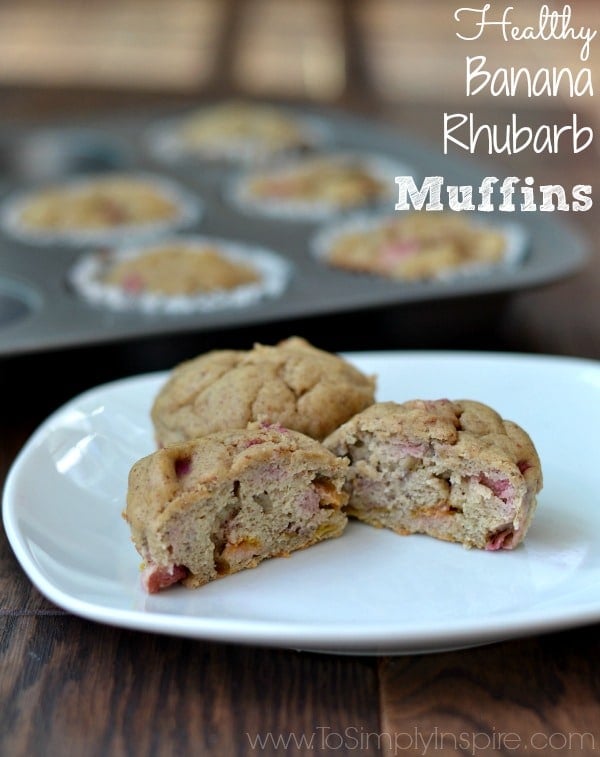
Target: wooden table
72,687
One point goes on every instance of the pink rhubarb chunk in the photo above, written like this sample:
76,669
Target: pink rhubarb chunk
155,578
182,466
392,252
133,283
501,487
501,540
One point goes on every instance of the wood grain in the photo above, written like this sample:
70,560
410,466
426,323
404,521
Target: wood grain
544,692
72,688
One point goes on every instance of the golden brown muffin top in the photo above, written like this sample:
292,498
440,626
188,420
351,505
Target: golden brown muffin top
293,384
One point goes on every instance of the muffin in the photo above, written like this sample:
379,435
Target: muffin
418,246
293,384
180,275
453,470
99,208
209,507
237,131
172,269
316,187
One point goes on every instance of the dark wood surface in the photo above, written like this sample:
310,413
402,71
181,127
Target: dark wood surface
72,687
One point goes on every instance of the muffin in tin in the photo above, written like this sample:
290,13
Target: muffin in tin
100,209
316,187
179,275
419,246
236,131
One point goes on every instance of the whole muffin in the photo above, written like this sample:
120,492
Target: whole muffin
293,384
209,507
454,470
100,209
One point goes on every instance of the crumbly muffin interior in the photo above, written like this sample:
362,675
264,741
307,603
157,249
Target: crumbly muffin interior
425,471
202,510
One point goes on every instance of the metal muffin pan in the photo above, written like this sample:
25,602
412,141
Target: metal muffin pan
39,310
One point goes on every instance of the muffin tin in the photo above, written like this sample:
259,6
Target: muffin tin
39,310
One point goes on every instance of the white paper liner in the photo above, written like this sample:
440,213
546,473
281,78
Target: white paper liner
515,250
381,167
165,142
86,278
189,211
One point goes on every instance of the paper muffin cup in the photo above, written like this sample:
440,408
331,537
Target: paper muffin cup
189,208
515,249
380,167
86,278
165,142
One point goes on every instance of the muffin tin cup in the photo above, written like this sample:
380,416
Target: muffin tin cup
18,301
189,211
86,278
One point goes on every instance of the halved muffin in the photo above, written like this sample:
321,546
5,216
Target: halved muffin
209,507
454,470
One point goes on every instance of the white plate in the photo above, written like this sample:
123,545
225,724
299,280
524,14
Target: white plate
368,592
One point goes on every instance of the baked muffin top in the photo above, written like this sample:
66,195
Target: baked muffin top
105,202
416,246
234,123
172,269
330,179
293,384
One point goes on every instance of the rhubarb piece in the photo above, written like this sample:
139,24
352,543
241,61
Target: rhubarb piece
454,470
209,507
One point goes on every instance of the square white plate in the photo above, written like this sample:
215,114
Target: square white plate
368,592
